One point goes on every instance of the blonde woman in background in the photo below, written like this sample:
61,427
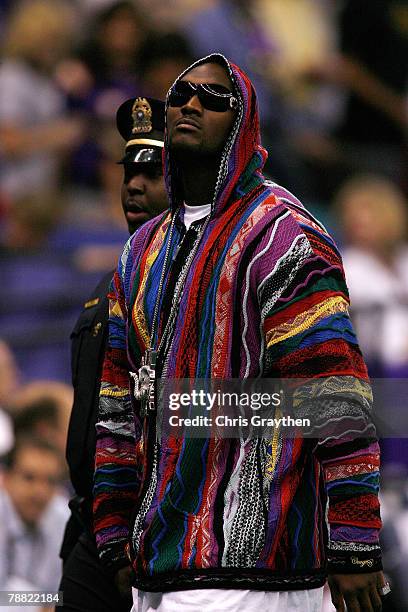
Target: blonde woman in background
373,216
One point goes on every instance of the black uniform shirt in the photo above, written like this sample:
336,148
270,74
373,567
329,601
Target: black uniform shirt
89,338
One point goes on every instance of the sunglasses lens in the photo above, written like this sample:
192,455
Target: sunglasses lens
217,89
215,97
181,93
213,103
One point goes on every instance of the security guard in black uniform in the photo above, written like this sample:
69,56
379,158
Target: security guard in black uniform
86,585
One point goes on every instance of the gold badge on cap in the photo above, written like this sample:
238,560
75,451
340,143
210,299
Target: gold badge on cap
142,116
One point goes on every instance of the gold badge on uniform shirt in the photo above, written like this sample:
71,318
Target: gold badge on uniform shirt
96,329
91,303
142,116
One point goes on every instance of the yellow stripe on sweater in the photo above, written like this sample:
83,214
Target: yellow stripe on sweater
115,309
138,314
114,392
307,319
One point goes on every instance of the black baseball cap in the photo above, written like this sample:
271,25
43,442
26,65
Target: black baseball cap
140,122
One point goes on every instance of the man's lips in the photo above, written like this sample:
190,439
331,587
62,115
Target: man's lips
133,208
188,123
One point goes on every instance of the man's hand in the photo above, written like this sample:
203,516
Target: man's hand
123,582
359,592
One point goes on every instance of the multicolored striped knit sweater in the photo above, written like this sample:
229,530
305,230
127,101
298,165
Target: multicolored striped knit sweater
264,297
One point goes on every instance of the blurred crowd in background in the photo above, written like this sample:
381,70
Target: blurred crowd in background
332,83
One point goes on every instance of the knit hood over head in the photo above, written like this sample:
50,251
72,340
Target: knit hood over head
243,156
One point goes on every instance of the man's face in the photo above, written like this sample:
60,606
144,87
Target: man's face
195,129
143,193
32,481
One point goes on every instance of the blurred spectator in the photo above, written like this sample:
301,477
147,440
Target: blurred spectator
34,129
32,517
371,68
304,37
278,43
344,93
166,16
40,417
48,276
43,408
234,29
93,228
30,220
373,216
53,247
162,58
102,74
110,51
374,46
303,32
90,7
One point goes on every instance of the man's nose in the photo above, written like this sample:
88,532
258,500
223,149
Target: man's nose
136,185
193,105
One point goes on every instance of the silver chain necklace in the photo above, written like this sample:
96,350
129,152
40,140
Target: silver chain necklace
145,377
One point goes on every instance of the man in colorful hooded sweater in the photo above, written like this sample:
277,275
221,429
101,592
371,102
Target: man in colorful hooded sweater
238,281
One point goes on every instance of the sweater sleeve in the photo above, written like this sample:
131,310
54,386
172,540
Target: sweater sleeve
118,436
308,335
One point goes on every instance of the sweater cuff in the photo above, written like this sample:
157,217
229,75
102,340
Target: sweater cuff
354,561
114,558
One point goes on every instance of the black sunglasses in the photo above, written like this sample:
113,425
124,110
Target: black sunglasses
213,97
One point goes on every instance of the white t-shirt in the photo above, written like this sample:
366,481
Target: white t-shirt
194,213
379,304
30,555
228,600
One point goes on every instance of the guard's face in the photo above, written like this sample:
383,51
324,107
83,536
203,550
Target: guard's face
193,128
143,193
